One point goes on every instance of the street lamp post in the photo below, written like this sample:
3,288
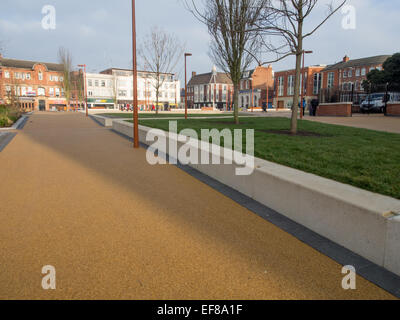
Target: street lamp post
186,106
84,87
302,86
135,101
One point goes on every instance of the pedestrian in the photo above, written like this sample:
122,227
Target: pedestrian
304,106
314,106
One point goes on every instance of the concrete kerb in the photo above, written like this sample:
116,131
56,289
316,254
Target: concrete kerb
19,124
353,218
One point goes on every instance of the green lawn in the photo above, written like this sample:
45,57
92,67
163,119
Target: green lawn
162,115
363,158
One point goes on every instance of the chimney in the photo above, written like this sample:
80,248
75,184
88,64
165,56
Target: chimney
346,58
193,74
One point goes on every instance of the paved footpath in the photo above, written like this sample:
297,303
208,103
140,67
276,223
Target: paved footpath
372,121
77,196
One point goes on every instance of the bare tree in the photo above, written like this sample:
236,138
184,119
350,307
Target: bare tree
160,53
286,19
65,59
231,24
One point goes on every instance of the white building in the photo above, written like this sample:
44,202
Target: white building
101,91
169,94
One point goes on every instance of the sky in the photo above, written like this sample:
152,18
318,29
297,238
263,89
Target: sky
98,32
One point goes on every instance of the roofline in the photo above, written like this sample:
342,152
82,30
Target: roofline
34,63
122,69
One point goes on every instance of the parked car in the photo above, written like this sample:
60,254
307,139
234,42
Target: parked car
375,102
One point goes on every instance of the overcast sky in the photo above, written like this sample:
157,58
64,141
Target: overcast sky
98,32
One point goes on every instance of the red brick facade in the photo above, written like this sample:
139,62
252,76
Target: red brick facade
284,85
34,85
348,73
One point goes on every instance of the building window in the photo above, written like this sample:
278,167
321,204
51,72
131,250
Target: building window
41,92
280,86
51,78
363,71
40,76
56,78
103,83
17,75
317,83
358,72
344,74
350,74
7,74
8,90
90,83
57,92
122,93
96,83
290,88
23,91
331,79
51,91
61,79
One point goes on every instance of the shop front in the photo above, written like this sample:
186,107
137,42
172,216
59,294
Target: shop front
57,105
101,103
26,103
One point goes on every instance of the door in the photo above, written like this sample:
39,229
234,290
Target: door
42,105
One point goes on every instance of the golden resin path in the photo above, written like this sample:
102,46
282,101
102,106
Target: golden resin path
77,196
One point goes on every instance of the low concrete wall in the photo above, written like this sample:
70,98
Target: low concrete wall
104,121
361,221
393,109
341,109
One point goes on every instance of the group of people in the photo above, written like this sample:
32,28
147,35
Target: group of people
312,108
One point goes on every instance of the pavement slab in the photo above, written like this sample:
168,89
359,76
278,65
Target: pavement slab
78,197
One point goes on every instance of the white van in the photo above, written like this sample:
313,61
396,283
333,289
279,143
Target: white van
375,102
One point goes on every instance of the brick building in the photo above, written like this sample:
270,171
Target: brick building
33,85
348,73
254,87
211,91
284,85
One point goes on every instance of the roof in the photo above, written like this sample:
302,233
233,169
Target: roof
206,78
25,64
359,62
130,70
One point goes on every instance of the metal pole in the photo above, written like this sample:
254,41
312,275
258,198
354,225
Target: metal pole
302,89
135,102
252,96
186,108
85,88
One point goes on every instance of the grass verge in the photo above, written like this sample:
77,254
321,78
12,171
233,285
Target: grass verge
363,158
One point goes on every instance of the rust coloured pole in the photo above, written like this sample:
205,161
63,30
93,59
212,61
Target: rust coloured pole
186,106
135,102
302,89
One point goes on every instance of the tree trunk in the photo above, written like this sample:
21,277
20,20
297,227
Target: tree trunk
236,102
295,108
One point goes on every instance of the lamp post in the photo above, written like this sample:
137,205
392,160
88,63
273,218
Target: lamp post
135,101
302,86
84,87
186,106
